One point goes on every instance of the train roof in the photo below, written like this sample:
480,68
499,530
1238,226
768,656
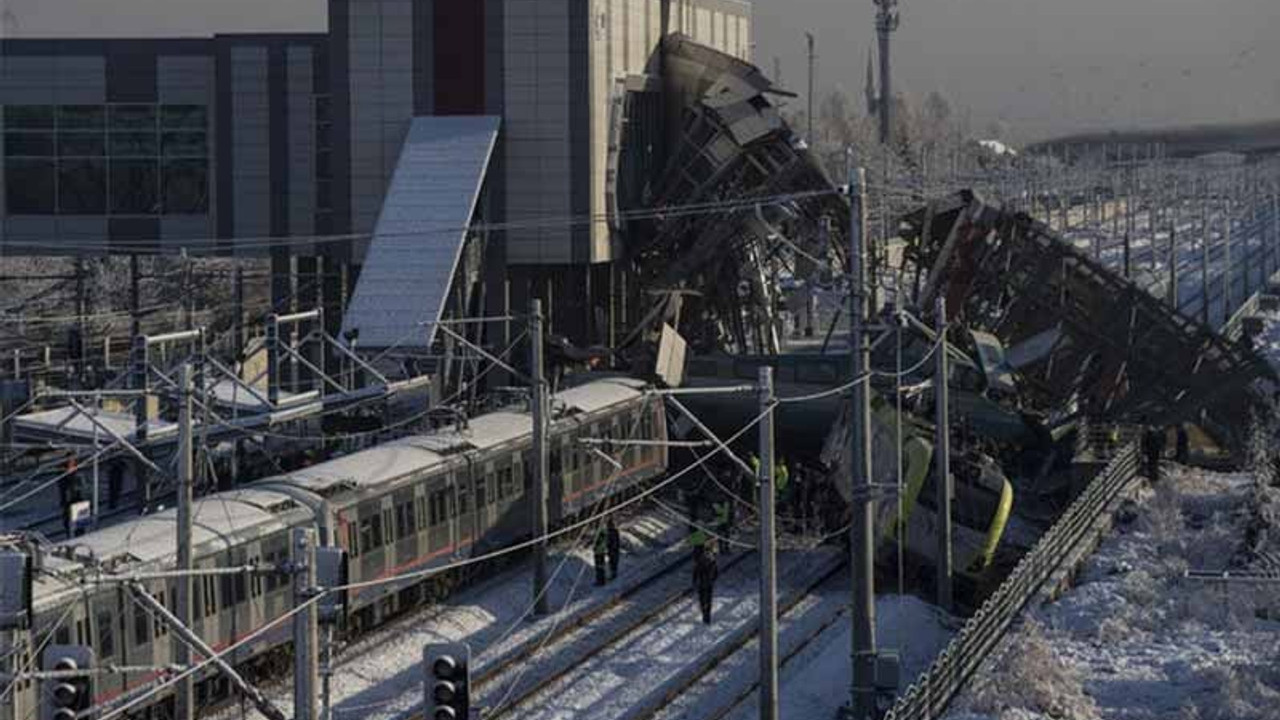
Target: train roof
223,520
218,522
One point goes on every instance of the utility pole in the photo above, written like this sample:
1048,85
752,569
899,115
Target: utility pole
538,398
886,23
306,666
184,701
1173,251
812,58
1204,253
862,537
82,301
768,556
942,458
1226,264
135,298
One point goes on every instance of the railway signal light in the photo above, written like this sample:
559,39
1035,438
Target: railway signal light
65,697
447,684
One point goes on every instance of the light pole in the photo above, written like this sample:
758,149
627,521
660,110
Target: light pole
886,23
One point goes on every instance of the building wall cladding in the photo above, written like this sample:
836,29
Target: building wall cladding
137,141
303,131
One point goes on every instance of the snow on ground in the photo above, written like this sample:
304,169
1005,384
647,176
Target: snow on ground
815,684
378,677
1134,639
641,667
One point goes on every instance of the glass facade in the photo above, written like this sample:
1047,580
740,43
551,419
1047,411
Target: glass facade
118,159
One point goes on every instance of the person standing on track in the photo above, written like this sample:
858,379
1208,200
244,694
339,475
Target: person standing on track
704,573
613,539
600,551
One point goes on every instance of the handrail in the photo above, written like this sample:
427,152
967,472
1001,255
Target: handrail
930,695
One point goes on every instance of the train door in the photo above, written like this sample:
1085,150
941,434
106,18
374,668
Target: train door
405,530
440,508
373,557
107,634
467,525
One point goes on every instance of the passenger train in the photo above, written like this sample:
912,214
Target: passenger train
410,504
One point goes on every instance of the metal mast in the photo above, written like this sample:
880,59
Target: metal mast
812,59
886,23
862,531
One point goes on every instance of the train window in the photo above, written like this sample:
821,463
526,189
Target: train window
371,533
255,581
106,636
480,494
353,547
141,625
62,636
210,596
241,586
463,502
437,507
80,634
507,478
160,628
405,526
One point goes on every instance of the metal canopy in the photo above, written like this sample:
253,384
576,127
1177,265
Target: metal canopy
421,231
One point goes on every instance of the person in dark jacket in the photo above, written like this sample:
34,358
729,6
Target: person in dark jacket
704,578
1152,449
69,492
1182,451
600,551
115,484
613,539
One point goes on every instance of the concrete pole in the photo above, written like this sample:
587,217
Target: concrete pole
1275,226
886,23
768,556
306,664
1173,252
812,59
1204,252
184,700
97,504
942,461
862,538
1226,265
541,469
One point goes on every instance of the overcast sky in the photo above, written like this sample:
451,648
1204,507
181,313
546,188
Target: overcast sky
1042,65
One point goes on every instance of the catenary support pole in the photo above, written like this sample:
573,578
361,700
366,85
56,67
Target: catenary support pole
768,556
184,698
541,469
1206,234
812,60
942,461
306,665
862,539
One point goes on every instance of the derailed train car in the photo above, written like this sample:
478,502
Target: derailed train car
418,502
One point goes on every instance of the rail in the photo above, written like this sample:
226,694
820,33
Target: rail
930,695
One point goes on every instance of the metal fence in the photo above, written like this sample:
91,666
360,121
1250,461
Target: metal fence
929,696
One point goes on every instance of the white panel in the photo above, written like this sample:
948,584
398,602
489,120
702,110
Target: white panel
420,231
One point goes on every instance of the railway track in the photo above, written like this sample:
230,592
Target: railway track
606,672
790,647
567,649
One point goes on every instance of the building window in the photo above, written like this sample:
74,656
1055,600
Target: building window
30,185
135,187
117,159
82,186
